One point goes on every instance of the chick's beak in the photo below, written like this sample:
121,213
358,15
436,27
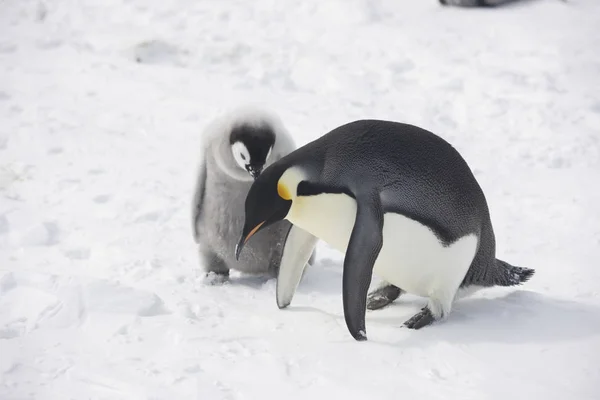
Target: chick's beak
244,238
254,170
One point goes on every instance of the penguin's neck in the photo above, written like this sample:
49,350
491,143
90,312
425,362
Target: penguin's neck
328,216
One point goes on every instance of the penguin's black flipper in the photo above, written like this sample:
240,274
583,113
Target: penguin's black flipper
198,199
298,248
365,243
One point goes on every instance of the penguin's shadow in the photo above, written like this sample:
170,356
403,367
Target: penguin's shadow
515,3
250,281
324,277
519,317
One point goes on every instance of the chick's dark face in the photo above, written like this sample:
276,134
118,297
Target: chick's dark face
251,147
264,206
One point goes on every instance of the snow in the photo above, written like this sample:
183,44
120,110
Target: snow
101,108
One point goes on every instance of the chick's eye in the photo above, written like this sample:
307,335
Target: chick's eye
243,156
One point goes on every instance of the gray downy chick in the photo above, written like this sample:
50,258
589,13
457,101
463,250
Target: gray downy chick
235,149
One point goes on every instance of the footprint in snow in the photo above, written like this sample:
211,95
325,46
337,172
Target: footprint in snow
7,48
13,329
45,234
53,233
162,215
109,297
82,253
4,225
55,150
48,44
101,199
149,217
158,52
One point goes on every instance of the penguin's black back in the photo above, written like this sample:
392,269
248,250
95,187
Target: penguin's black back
416,173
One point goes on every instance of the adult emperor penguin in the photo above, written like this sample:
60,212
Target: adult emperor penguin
235,149
399,200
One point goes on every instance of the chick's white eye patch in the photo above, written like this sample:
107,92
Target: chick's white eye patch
240,154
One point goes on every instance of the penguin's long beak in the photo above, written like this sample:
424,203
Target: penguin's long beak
244,238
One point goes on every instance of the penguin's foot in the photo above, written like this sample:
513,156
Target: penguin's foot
213,278
382,297
420,319
216,271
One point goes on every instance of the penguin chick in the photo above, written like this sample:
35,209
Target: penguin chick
235,149
397,201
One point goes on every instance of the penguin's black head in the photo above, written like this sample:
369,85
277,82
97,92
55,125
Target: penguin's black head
251,146
268,201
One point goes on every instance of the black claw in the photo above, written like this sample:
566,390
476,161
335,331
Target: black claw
375,303
382,297
420,319
214,278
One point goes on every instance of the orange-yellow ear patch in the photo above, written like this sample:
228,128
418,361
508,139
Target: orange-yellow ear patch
283,191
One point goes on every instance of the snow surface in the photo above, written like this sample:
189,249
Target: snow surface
101,106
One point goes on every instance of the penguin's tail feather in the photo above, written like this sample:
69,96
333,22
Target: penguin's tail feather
510,275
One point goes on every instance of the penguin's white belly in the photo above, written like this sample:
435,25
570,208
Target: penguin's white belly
411,258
